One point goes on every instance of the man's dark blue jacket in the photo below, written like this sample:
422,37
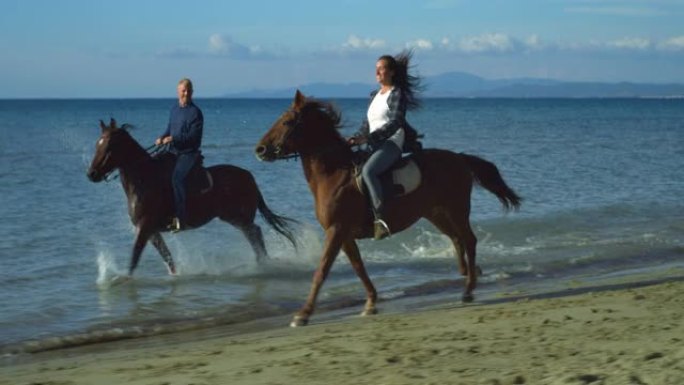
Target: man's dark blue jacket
185,126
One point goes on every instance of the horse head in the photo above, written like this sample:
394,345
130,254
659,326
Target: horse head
308,126
109,149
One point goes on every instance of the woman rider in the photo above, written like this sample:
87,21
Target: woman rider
385,128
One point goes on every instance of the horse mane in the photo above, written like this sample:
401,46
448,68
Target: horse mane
125,131
337,152
328,109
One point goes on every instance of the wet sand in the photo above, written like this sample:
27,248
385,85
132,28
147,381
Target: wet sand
622,334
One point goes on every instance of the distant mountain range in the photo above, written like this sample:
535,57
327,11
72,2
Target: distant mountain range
460,84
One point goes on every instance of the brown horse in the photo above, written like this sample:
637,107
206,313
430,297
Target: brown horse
309,129
234,196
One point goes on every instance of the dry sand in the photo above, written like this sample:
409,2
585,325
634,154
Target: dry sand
624,336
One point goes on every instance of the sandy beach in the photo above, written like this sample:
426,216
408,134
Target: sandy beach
622,334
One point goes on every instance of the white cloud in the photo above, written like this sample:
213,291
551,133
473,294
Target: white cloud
673,44
497,43
631,43
421,44
222,45
487,43
628,44
500,43
357,43
533,43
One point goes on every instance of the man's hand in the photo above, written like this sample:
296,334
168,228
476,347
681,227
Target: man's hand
164,140
357,140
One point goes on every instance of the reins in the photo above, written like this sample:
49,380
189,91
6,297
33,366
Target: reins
152,150
292,128
319,151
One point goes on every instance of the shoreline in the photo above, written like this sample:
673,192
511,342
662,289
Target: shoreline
416,298
628,332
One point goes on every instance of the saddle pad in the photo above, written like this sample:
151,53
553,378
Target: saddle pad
405,175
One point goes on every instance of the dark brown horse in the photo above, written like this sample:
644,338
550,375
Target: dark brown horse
309,129
234,196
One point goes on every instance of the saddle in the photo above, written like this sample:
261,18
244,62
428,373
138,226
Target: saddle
402,178
198,181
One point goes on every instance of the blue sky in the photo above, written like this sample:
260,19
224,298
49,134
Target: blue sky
123,48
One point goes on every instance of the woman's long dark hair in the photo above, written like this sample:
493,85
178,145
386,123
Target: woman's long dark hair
409,84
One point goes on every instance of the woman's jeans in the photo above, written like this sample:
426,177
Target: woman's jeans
380,161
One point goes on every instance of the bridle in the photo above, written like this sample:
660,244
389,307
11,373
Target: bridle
292,128
153,150
106,176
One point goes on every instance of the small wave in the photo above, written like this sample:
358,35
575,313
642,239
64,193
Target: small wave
127,329
105,335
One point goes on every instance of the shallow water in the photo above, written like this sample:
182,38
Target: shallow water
602,183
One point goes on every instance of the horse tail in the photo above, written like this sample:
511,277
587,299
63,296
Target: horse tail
487,175
279,223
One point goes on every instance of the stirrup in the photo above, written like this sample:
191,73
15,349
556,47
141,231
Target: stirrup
175,225
381,230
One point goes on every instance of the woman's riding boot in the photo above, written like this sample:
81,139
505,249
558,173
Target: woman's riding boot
380,228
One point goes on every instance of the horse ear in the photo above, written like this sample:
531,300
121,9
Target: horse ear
112,123
102,126
299,99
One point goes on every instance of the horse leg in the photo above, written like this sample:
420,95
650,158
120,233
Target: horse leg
160,245
253,233
444,225
141,237
465,243
465,233
460,252
333,242
352,250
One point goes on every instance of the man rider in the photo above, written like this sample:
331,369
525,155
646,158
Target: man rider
184,135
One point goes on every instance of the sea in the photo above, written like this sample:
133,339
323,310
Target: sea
602,182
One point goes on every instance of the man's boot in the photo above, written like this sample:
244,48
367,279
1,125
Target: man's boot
175,225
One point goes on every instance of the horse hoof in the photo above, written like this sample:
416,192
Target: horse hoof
120,279
467,298
298,321
369,311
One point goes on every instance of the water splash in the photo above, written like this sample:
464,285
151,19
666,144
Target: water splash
108,272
